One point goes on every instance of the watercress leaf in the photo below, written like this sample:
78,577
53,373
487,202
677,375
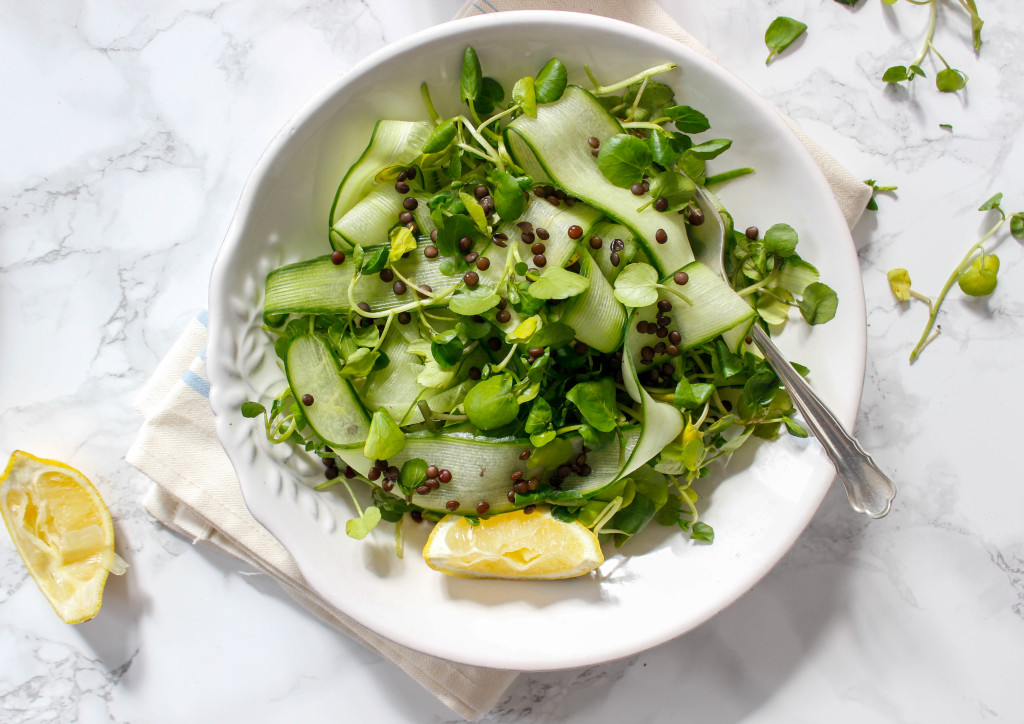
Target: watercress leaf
454,168
693,166
360,527
664,150
553,334
391,508
634,518
472,76
992,203
539,418
490,96
1017,225
375,259
795,428
384,438
451,229
446,349
440,138
655,99
401,242
359,363
950,80
473,301
527,304
521,268
491,404
509,200
899,283
729,364
721,424
529,393
980,279
759,389
702,531
551,81
781,239
595,439
596,402
895,74
781,34
367,336
692,454
540,439
711,149
524,93
623,159
687,119
380,360
412,474
637,285
915,70
476,211
468,329
772,308
552,454
674,187
819,303
564,514
252,409
453,266
692,395
558,283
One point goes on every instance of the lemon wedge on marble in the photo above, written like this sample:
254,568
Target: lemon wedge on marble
62,531
515,545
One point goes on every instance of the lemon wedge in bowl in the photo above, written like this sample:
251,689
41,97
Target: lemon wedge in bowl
62,531
515,545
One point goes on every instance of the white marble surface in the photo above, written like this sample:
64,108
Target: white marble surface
127,130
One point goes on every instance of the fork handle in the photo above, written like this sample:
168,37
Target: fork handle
867,487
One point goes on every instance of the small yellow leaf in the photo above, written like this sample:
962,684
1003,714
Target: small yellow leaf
402,241
899,282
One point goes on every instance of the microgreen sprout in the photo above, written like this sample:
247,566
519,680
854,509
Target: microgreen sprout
948,79
976,274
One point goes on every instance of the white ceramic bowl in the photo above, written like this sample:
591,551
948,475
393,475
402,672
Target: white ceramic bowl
660,585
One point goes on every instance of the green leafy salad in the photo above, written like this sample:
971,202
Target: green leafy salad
511,313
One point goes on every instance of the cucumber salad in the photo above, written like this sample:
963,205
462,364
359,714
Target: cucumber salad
510,313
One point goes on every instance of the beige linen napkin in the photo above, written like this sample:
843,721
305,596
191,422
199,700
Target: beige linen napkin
197,494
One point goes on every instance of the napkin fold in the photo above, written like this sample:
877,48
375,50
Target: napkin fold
196,492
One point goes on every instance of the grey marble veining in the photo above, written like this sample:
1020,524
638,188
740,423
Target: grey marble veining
128,132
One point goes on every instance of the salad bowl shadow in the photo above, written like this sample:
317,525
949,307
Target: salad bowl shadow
659,586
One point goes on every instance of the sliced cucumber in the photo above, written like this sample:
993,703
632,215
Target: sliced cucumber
597,317
372,218
662,423
482,468
715,309
556,220
392,142
336,414
394,388
557,140
318,286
